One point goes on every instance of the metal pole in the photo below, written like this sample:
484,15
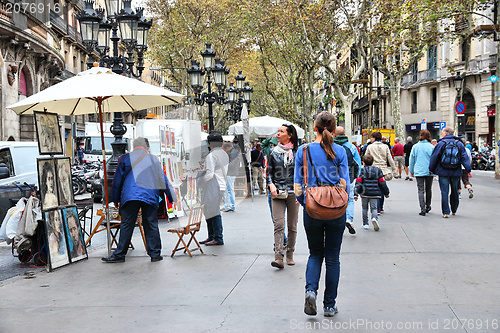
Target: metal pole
210,102
497,100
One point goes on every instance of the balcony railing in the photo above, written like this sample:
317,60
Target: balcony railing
72,33
58,22
414,108
422,76
433,105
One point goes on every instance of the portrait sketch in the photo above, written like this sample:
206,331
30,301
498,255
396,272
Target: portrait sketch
58,250
65,186
48,185
76,244
48,133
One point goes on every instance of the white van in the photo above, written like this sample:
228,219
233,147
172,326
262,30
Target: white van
20,160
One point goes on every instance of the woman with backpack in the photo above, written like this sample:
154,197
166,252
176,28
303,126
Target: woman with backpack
326,164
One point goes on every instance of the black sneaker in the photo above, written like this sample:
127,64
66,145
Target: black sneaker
155,259
310,304
428,209
349,226
421,213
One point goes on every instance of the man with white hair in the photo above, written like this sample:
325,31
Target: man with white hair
407,149
446,160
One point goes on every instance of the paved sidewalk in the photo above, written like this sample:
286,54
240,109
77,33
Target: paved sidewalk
417,274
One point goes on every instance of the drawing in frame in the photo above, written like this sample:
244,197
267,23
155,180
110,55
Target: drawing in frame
56,239
64,183
48,133
48,184
73,229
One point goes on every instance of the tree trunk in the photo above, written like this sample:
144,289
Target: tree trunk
396,106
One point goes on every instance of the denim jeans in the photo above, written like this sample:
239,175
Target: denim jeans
424,187
324,239
128,214
380,203
444,184
229,195
350,204
371,204
214,225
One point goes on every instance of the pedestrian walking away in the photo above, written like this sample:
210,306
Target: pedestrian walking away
399,157
370,185
324,237
257,156
407,149
381,158
465,176
280,177
233,171
446,160
137,183
420,157
212,183
354,164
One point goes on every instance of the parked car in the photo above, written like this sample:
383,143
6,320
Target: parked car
17,166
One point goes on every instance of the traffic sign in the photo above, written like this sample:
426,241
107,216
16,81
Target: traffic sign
442,124
460,107
423,124
493,79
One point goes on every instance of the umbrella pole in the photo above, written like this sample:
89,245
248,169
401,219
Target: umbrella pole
108,234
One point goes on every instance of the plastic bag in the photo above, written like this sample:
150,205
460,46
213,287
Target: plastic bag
11,221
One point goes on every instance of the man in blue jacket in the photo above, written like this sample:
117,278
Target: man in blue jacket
446,160
137,183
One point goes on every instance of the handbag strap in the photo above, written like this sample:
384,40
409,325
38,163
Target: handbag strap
304,156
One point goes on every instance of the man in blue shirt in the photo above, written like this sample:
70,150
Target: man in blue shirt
137,183
447,149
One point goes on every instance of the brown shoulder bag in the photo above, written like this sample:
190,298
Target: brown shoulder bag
327,201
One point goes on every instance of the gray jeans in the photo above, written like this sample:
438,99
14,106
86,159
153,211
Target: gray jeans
373,208
424,187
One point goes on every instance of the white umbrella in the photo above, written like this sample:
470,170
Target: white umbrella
264,127
97,88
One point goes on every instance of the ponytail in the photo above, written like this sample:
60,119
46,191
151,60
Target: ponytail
326,144
325,124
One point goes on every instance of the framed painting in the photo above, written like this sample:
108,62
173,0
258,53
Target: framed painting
64,183
48,183
76,245
56,239
48,133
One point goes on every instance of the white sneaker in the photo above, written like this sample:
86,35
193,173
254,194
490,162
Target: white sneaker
366,226
375,224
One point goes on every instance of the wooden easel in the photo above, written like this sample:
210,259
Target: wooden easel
113,227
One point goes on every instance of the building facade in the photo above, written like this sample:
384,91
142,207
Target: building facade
39,46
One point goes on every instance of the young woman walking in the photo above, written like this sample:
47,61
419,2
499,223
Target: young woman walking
324,237
280,173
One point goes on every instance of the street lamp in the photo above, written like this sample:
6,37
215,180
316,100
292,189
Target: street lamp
237,96
458,81
214,66
95,28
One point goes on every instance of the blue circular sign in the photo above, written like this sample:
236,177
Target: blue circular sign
460,107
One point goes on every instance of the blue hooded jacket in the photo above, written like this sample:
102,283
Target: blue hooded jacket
435,162
139,176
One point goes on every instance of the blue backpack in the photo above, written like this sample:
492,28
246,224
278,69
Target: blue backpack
450,155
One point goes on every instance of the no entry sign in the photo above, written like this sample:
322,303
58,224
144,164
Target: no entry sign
460,107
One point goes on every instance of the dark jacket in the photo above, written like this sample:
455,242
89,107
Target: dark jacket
435,162
278,174
371,183
139,176
257,158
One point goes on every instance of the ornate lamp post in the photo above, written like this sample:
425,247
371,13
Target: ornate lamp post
211,66
95,28
458,81
238,95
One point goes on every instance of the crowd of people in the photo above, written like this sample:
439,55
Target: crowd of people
285,171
